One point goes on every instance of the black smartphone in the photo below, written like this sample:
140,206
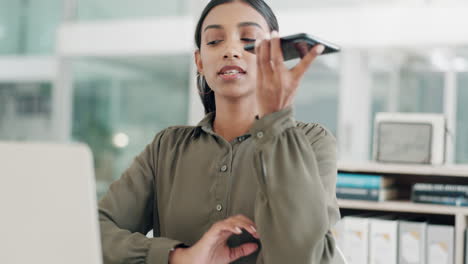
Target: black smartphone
297,45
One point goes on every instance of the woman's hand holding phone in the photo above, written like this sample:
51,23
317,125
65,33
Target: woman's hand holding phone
212,247
276,84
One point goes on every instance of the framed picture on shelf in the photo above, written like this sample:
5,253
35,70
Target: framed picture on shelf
409,138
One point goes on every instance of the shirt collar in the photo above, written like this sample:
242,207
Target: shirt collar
206,123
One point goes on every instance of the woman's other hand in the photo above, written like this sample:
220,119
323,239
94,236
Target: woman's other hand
212,247
276,84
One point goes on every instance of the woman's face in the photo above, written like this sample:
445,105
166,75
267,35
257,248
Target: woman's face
228,69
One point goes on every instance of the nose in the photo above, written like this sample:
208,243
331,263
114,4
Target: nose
232,51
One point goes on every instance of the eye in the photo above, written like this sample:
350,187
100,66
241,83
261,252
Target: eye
248,39
213,42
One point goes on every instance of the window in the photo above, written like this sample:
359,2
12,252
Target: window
124,9
316,100
25,111
28,27
461,148
121,104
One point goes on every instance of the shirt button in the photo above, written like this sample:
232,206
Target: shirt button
224,168
260,134
219,207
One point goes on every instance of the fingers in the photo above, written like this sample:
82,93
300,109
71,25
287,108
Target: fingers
299,70
235,224
242,251
302,48
229,227
259,65
263,58
276,54
247,224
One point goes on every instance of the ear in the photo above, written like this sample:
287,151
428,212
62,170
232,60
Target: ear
198,61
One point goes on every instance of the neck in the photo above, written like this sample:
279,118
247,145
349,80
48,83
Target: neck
234,118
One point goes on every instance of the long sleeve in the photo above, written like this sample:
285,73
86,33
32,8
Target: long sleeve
126,214
296,205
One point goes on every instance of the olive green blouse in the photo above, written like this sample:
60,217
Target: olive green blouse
281,175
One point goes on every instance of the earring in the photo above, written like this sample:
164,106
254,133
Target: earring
203,85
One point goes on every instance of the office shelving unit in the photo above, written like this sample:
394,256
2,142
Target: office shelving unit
438,174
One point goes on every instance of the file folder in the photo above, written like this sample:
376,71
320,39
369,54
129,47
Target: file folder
440,244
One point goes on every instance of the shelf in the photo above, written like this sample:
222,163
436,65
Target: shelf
457,174
408,169
402,206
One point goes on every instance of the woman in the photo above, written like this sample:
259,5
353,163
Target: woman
248,184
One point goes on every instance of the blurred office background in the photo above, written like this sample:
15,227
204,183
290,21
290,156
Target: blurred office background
112,73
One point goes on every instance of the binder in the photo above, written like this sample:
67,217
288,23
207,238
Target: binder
338,233
383,240
466,246
440,244
356,239
412,242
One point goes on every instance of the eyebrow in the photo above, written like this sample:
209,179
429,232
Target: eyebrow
241,24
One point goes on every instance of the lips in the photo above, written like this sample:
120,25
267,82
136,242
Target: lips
231,70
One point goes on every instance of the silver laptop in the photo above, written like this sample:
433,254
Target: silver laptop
48,204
